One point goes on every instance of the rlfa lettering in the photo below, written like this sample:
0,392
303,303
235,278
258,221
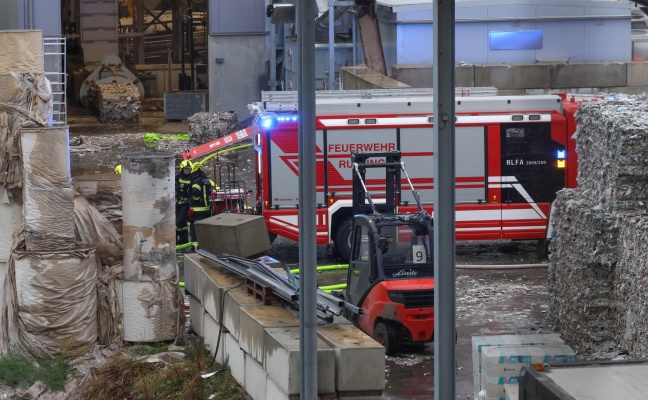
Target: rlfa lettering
405,272
361,147
516,161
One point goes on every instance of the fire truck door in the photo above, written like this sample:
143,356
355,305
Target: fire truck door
530,178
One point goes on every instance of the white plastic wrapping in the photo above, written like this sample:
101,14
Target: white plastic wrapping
11,220
150,310
48,196
148,198
56,300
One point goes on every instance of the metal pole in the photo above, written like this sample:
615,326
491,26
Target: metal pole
331,35
354,37
273,58
30,14
307,11
444,200
139,22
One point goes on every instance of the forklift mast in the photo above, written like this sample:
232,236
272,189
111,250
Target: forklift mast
392,166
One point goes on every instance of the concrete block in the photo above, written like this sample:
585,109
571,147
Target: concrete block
282,361
254,321
422,75
196,316
359,360
234,300
211,330
582,75
513,76
194,277
637,74
217,281
236,358
255,379
415,75
465,76
236,234
273,391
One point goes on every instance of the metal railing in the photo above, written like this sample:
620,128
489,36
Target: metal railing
55,63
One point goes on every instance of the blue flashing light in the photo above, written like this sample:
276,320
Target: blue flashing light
268,122
560,154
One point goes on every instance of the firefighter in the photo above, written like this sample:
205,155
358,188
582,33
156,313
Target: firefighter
182,193
118,169
201,188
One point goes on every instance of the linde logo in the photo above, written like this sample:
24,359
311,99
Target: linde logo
405,272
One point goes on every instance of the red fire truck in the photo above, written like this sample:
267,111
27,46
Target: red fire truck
513,153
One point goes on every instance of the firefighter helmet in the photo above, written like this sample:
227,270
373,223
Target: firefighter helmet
197,166
185,164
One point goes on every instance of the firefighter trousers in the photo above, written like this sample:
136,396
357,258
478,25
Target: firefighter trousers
182,228
197,216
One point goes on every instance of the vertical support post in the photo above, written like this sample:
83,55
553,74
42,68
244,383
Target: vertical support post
307,10
331,37
272,83
354,38
444,200
139,41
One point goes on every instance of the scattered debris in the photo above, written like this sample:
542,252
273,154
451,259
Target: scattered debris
205,126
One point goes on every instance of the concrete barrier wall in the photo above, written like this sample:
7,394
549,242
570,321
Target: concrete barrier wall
520,79
261,341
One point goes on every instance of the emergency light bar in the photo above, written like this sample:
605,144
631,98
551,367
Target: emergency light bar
270,121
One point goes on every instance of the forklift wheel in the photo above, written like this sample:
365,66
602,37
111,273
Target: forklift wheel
386,335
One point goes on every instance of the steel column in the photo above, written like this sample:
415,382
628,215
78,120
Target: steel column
307,10
444,200
331,36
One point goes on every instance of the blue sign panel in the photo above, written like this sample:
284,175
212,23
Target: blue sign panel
515,40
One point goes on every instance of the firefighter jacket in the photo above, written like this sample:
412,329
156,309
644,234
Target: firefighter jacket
201,189
182,188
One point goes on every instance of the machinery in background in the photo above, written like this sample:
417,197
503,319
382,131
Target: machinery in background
111,70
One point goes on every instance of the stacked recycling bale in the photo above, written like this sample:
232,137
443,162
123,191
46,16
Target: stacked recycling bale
21,66
117,103
598,262
148,291
207,126
50,299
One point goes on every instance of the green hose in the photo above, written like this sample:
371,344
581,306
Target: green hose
324,268
186,245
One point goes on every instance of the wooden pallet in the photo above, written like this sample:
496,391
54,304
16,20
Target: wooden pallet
260,292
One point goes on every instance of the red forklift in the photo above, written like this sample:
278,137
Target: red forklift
391,274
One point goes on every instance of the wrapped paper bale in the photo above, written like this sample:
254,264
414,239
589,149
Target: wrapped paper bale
148,189
612,143
581,271
31,103
206,126
150,310
21,51
56,300
48,196
117,103
104,192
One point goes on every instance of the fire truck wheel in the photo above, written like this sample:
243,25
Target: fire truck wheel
342,239
386,335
